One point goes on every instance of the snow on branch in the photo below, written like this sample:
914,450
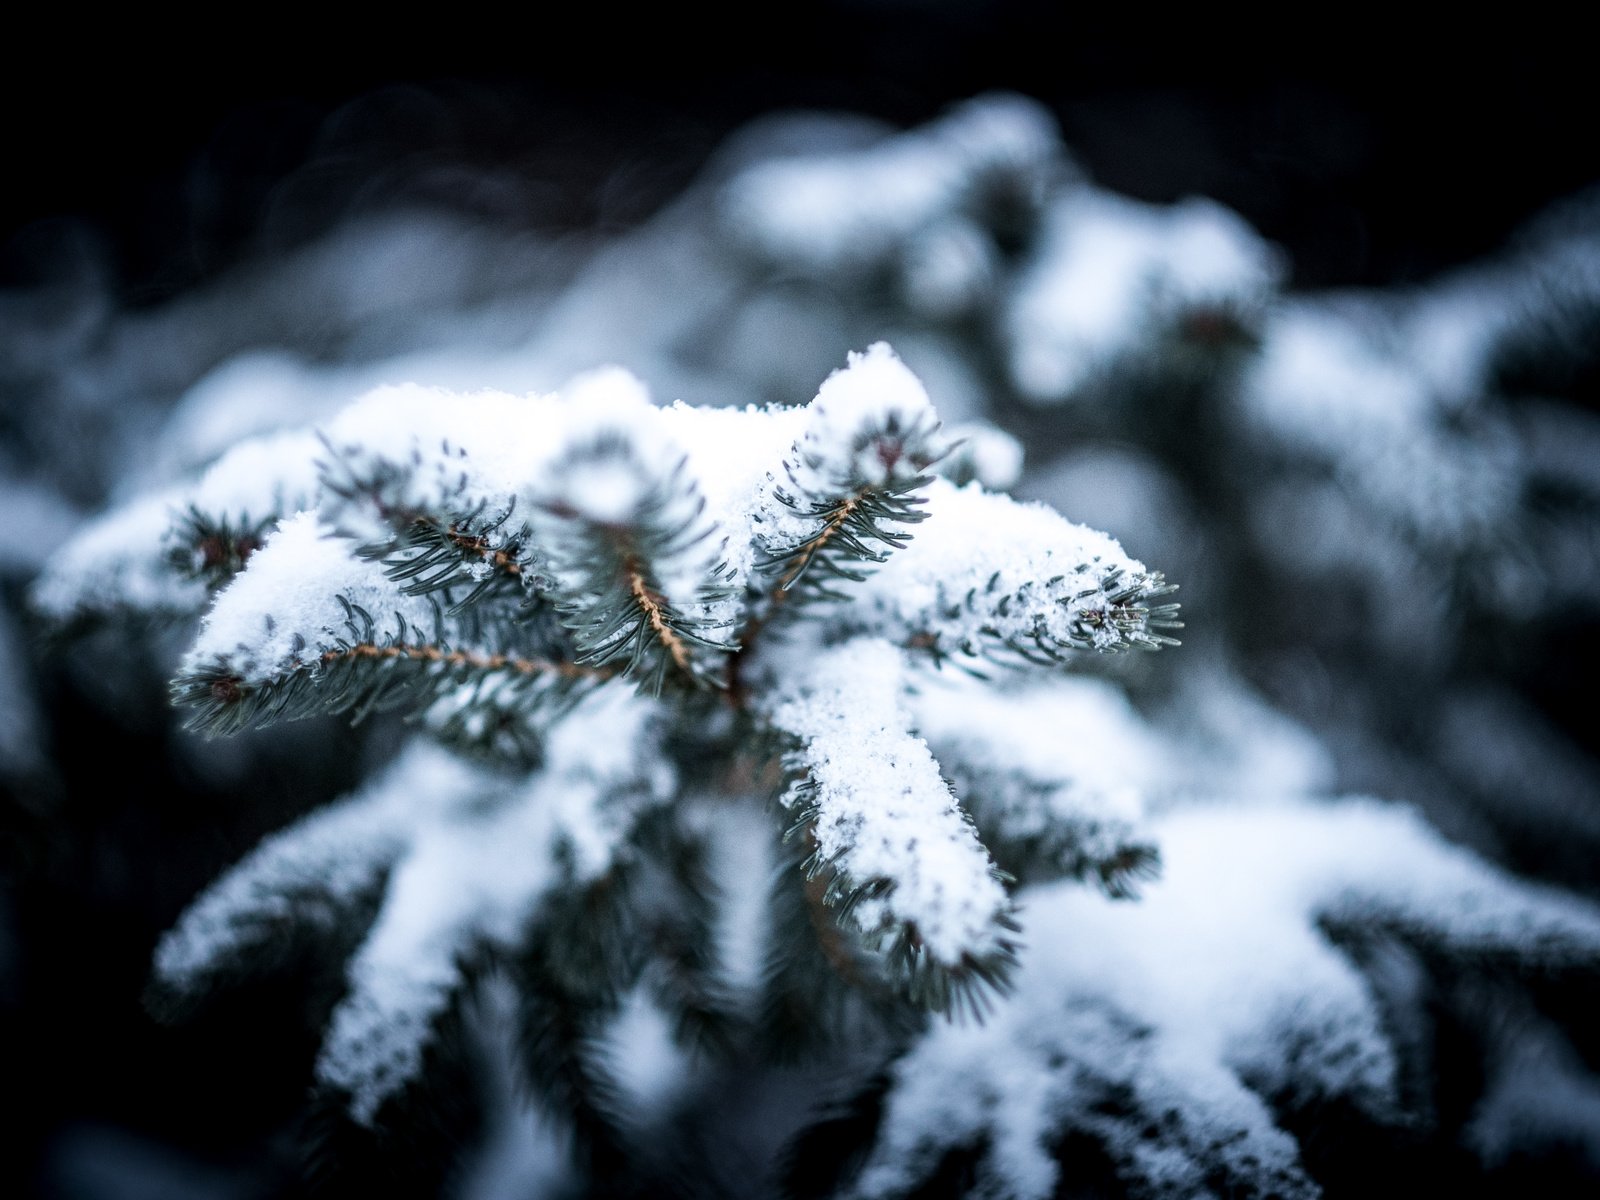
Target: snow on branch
989,576
851,477
1329,389
904,862
474,881
307,627
160,555
115,564
1111,276
1051,772
428,482
1142,1016
1011,1091
633,557
313,873
934,207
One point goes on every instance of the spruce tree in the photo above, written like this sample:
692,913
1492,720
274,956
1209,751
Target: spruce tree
763,795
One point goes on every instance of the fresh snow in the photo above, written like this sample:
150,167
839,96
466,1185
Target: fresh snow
283,611
1218,987
984,569
1110,273
883,810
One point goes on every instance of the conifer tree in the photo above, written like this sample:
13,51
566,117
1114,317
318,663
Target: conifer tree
775,810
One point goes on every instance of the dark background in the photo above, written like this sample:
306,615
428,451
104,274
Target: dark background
1373,156
1372,153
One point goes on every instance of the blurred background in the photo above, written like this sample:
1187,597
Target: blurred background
195,246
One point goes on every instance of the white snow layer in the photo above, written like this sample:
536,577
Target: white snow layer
1220,974
1110,273
114,563
984,568
119,562
320,864
1328,388
475,878
1059,757
883,810
283,612
848,213
869,425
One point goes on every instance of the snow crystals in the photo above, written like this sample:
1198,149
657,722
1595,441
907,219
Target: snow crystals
883,813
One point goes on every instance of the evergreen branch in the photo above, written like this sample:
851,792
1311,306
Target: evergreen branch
654,607
613,604
853,479
990,577
213,549
1023,824
819,985
961,985
1043,624
467,540
164,555
1052,772
839,544
116,567
367,676
467,659
572,970
901,861
409,1149
426,556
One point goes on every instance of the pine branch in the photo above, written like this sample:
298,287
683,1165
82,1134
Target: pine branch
679,903
451,531
295,634
840,546
367,673
571,972
852,478
426,556
901,861
1083,846
213,549
326,872
1052,772
633,578
991,578
820,987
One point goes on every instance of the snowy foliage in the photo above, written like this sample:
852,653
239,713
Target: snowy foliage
752,729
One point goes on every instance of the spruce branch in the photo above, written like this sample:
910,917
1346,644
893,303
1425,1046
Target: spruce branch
526,607
820,987
453,531
366,672
428,556
852,478
295,634
213,549
633,576
840,546
902,863
1053,773
992,578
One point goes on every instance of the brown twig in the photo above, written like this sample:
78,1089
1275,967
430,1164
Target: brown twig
803,559
466,658
780,592
480,546
654,610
